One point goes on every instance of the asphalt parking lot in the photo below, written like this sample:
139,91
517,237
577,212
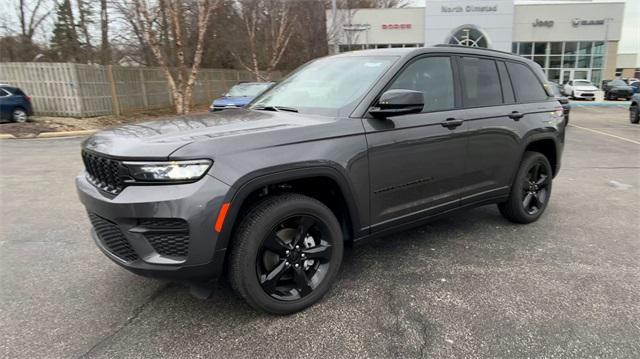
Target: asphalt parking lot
469,285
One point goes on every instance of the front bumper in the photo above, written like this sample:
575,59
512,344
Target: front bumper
584,94
136,229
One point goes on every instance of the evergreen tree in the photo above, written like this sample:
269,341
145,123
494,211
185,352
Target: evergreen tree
65,42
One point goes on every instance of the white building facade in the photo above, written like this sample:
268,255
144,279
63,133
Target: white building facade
569,41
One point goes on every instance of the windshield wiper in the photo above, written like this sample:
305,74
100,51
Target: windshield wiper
274,108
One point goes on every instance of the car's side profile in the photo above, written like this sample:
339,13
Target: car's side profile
580,89
345,148
15,105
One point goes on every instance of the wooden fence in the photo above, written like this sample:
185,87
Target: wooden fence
77,90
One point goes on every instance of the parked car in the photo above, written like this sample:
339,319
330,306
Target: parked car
616,89
635,86
239,95
348,147
634,108
580,89
564,101
15,105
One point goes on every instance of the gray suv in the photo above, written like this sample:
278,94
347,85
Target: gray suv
345,148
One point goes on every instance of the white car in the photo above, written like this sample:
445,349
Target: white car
580,89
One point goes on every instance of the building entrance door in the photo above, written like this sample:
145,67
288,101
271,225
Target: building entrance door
575,74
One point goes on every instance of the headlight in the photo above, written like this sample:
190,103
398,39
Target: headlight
168,171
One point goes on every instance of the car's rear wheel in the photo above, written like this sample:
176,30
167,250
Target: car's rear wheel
19,115
286,253
634,116
530,191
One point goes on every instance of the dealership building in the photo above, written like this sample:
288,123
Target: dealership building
577,40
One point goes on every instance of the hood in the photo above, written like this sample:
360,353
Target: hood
160,138
585,88
232,101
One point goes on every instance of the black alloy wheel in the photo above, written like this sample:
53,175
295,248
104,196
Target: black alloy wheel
294,258
530,191
286,253
534,188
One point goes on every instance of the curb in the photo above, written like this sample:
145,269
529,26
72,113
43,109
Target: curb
51,134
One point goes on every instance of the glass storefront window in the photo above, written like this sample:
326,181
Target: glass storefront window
514,48
555,48
540,48
598,47
569,62
555,61
540,60
597,61
585,48
553,75
596,77
584,61
525,48
570,48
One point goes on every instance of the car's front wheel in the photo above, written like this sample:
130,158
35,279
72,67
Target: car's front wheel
286,253
19,115
530,191
634,116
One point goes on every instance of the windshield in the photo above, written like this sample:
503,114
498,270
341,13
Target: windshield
327,85
617,83
248,89
582,83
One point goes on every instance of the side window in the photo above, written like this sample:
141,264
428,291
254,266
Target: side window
480,82
432,76
526,83
507,90
3,93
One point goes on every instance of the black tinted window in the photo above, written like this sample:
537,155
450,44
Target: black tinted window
507,90
525,82
434,78
480,82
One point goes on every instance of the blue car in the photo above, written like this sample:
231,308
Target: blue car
15,105
240,95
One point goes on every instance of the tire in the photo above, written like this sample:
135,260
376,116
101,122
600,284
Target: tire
277,222
527,201
634,115
19,115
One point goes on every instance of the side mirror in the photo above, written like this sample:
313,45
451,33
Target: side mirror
398,102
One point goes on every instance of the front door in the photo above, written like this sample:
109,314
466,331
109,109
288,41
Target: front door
417,161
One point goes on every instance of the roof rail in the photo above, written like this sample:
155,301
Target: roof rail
473,48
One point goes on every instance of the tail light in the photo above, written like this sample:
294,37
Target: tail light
28,98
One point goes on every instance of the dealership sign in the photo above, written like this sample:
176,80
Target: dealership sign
580,22
469,8
542,23
396,26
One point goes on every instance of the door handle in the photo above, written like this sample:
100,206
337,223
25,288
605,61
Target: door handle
451,123
515,115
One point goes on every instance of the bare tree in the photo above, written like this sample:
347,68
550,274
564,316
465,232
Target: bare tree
181,83
268,26
31,17
105,48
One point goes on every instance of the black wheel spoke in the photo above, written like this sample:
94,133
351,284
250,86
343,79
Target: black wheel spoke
541,197
526,202
303,228
302,282
535,171
542,180
270,281
320,252
275,244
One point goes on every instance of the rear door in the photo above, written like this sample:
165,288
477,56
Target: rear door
494,137
417,161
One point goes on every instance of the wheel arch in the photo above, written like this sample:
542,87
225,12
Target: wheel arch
336,193
548,147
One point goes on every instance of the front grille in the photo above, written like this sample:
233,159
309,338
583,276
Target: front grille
103,172
167,236
112,238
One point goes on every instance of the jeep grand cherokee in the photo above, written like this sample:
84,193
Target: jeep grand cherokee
347,147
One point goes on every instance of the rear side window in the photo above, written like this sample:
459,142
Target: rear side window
18,92
480,82
507,90
526,84
432,76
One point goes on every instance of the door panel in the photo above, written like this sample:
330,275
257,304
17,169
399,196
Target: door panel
416,165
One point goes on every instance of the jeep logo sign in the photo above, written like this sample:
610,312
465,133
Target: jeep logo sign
542,23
